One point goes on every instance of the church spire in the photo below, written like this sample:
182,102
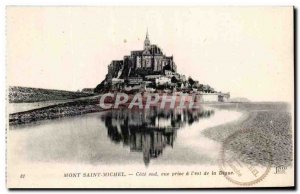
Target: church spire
147,41
147,35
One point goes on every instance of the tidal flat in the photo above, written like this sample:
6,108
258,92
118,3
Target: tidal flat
262,136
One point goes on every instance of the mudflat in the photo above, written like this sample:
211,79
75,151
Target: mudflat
270,126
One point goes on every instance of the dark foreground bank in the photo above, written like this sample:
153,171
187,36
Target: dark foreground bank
77,107
265,130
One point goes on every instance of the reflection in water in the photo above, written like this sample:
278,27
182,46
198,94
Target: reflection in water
149,130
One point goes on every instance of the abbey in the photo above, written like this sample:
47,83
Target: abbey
150,70
151,57
150,60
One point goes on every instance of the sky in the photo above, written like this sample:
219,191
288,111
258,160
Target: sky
247,51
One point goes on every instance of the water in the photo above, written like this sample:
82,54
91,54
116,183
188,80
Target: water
20,107
149,137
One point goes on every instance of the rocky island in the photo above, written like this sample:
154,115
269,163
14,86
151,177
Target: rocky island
150,70
143,72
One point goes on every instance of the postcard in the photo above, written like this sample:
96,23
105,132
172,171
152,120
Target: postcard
150,97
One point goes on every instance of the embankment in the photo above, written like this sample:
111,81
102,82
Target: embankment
74,108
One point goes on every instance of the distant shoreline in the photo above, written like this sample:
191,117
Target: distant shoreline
17,94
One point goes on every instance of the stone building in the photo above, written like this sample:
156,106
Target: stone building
150,59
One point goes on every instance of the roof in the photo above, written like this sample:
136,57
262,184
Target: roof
154,49
136,52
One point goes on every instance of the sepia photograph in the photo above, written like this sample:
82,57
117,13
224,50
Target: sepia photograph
150,97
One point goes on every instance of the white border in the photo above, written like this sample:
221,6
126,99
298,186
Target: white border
151,2
4,3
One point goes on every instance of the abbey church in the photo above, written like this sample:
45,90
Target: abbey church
150,60
151,57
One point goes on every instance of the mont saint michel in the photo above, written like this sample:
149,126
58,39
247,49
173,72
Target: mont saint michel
98,101
151,70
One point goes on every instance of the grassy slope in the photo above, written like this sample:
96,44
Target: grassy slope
26,94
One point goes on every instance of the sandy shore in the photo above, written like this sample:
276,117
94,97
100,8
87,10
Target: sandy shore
264,130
